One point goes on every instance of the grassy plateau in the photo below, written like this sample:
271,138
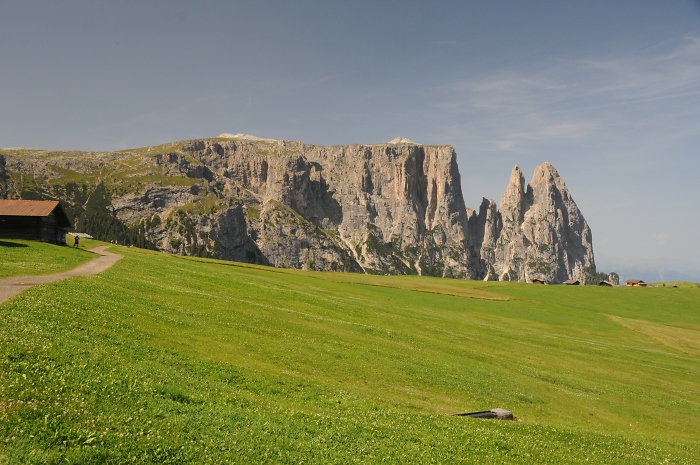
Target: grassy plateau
166,359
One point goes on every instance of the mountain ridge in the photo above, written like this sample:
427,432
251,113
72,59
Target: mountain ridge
390,208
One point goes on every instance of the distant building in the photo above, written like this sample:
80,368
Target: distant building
38,220
539,281
572,282
606,284
636,283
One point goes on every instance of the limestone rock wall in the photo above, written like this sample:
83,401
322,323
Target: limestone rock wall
388,208
3,178
485,228
394,208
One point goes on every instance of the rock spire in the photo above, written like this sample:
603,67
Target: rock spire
538,232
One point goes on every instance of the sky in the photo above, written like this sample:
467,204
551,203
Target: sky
608,92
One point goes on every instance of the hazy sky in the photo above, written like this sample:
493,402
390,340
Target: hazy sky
607,91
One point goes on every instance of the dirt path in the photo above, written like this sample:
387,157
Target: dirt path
16,284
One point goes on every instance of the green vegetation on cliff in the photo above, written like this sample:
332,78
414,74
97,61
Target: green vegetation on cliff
98,221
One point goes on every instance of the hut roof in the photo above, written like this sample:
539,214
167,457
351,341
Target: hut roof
606,283
572,281
539,281
635,281
36,208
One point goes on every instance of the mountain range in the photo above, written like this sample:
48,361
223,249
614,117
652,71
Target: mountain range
390,208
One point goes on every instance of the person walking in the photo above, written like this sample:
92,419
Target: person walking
76,242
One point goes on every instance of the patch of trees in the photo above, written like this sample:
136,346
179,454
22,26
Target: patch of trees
99,221
189,241
72,197
594,277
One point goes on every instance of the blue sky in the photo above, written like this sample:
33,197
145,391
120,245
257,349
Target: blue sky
609,92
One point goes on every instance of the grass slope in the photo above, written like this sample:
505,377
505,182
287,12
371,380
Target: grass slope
165,359
29,258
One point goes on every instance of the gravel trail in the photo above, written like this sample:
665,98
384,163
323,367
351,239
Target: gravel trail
16,284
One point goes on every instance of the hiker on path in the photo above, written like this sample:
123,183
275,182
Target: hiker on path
77,240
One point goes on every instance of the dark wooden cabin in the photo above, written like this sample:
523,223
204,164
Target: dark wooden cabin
539,281
37,220
606,284
572,282
636,283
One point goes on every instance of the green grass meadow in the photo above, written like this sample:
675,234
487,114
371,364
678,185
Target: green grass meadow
166,359
29,258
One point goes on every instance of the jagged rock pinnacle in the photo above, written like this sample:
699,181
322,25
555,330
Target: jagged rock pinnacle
540,232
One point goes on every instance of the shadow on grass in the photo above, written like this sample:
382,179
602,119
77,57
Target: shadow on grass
11,244
175,394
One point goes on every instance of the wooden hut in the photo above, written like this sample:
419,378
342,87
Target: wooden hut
572,282
606,284
539,281
38,220
636,283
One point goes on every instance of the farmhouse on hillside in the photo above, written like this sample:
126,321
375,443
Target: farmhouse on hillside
636,283
539,281
572,282
38,220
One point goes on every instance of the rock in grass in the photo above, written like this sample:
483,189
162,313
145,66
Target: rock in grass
502,414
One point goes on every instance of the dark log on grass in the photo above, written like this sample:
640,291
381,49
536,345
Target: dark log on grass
497,413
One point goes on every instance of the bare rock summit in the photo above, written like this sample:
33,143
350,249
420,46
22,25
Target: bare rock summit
401,140
226,135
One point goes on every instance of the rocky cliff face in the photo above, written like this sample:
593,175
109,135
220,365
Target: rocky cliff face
389,208
485,228
3,178
393,208
538,232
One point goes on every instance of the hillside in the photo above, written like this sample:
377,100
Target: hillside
29,258
169,359
391,208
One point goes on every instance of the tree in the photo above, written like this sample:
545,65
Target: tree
99,221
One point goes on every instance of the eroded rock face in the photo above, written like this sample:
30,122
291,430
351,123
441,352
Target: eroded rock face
394,208
485,228
388,208
3,178
538,232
